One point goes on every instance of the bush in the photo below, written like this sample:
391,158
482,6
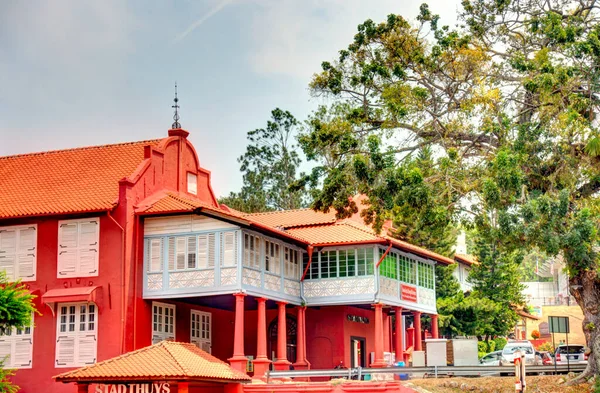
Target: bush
545,347
499,342
485,347
535,334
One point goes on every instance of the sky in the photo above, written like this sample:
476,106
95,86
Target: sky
79,73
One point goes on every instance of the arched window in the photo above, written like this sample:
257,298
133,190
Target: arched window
291,326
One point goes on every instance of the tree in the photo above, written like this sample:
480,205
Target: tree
270,167
508,99
16,309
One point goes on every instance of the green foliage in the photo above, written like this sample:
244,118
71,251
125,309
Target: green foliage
485,347
270,167
499,343
446,285
547,346
16,309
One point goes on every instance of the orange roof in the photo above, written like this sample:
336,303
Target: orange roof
292,218
66,181
334,234
167,360
466,259
170,202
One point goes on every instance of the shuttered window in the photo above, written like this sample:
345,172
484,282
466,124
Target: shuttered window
154,255
291,263
251,251
78,247
77,334
163,322
18,252
272,257
16,347
191,252
200,330
229,249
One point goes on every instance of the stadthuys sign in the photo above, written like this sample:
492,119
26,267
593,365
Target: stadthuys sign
150,387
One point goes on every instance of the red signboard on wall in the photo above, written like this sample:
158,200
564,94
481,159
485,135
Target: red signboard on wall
409,293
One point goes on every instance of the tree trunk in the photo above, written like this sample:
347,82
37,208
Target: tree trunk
585,287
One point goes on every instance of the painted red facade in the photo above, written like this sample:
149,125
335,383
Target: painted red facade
125,317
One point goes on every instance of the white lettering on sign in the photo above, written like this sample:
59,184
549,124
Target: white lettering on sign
156,387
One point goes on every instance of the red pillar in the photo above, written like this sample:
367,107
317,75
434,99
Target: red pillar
281,363
387,330
399,334
418,332
238,361
301,363
434,326
262,362
379,360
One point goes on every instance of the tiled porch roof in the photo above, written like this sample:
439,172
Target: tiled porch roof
165,361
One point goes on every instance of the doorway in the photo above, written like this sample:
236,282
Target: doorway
291,327
358,352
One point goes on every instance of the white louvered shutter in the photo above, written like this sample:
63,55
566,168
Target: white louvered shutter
86,349
88,247
23,352
156,255
181,253
203,251
65,350
211,250
5,349
26,253
229,249
67,249
171,253
8,248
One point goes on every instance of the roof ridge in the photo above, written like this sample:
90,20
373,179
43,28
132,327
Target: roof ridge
280,211
184,370
39,153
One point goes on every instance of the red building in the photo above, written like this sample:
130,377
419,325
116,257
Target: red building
126,245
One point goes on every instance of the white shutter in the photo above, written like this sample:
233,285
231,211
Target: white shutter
8,248
7,264
26,253
88,247
229,249
26,266
5,350
67,235
202,251
171,253
65,350
23,352
86,349
156,255
181,253
211,250
67,262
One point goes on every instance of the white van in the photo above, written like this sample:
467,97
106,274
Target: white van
508,353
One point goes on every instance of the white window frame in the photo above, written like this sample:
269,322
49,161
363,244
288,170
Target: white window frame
291,262
14,259
201,329
77,338
192,183
71,257
252,254
272,256
17,339
158,322
229,251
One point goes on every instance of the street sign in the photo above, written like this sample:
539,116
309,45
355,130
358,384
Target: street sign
558,324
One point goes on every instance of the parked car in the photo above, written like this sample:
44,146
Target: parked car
491,359
545,358
572,353
508,353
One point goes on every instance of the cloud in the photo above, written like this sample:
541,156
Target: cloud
218,7
293,37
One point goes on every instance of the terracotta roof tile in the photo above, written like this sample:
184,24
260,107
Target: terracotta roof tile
66,181
292,218
166,360
333,234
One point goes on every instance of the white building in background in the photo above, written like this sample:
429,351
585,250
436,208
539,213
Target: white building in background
556,292
464,261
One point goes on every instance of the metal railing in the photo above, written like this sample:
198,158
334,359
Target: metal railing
433,371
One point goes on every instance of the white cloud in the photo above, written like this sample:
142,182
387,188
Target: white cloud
294,37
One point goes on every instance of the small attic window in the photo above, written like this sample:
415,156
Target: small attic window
192,183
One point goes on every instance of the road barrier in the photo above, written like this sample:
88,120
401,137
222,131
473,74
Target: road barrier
433,371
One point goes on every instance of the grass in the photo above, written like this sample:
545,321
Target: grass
535,384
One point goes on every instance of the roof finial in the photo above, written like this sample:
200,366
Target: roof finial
176,124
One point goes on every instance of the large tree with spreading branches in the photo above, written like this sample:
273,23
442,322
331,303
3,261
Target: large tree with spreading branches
506,102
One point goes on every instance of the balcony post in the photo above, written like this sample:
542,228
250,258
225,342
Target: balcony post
281,363
238,360
399,333
418,332
262,362
379,359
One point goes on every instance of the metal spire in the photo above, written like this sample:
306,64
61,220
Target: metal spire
176,124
